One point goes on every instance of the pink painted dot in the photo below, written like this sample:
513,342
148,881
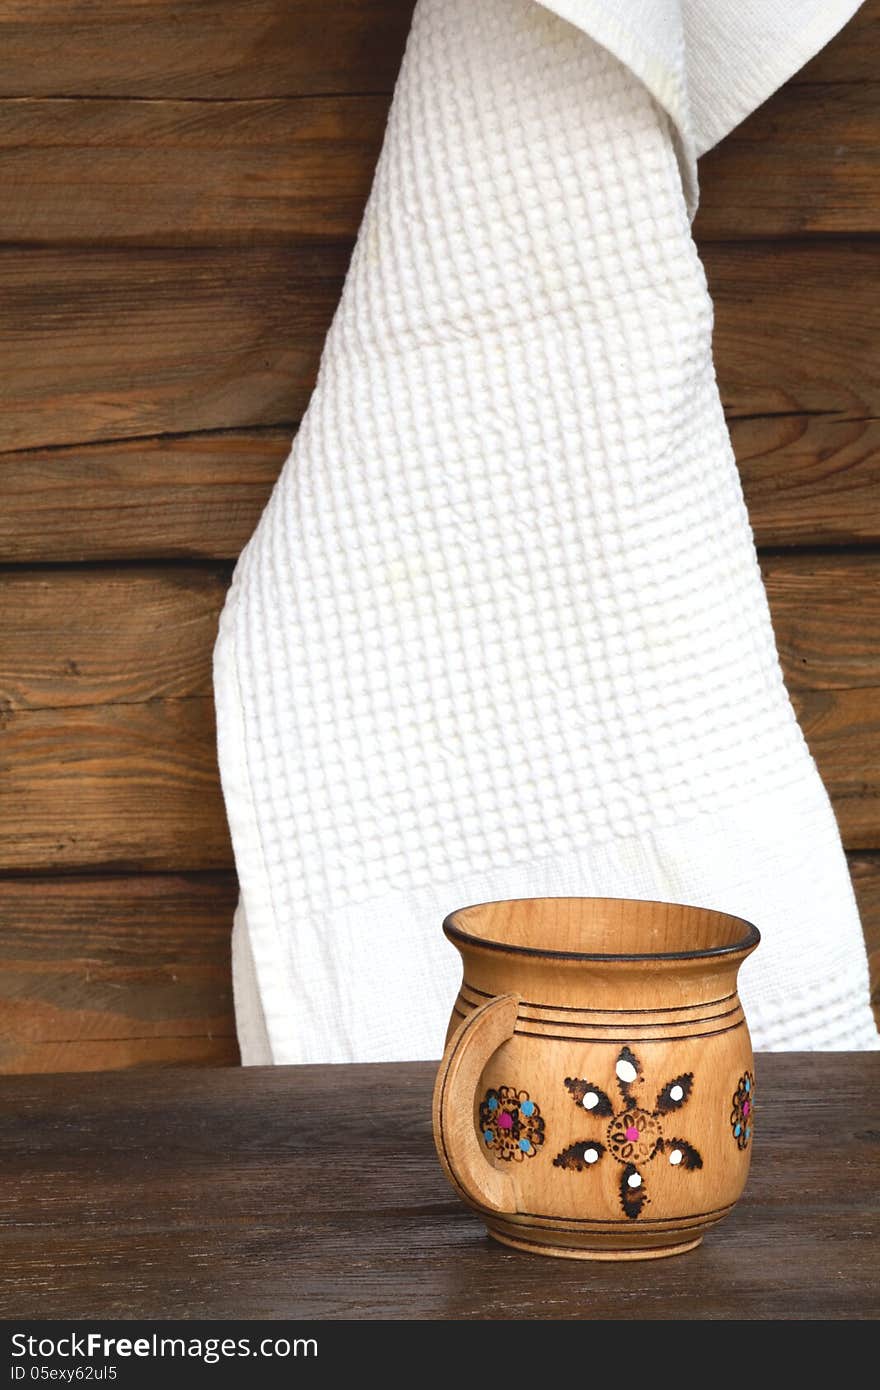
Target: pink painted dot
504,1121
746,1107
632,1134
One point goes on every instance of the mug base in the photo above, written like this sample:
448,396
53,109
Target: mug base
586,1252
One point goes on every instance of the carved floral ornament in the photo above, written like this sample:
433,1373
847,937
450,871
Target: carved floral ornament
636,1132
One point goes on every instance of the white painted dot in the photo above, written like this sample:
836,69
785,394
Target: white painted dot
591,1155
634,1180
625,1070
676,1092
590,1101
675,1157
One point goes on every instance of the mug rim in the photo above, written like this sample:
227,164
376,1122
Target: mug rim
746,943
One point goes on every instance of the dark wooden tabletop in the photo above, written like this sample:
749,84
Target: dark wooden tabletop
313,1192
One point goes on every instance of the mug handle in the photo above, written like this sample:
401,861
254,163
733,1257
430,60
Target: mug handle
464,1162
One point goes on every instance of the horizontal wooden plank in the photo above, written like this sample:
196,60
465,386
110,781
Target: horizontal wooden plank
106,765
166,173
85,637
127,930
200,48
111,344
806,161
223,48
79,638
99,345
808,480
191,495
795,327
842,728
129,786
105,1054
826,616
107,972
86,172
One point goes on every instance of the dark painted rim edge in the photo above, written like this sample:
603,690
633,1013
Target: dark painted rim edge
746,943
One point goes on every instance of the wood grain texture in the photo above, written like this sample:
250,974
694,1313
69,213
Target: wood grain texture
826,616
102,345
806,161
81,637
808,480
190,495
105,972
108,744
227,1194
104,1054
123,787
266,48
108,972
110,172
109,344
842,728
143,633
795,327
205,48
167,173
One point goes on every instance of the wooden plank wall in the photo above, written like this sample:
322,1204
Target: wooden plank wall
181,183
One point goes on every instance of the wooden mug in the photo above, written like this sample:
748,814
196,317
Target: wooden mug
596,1096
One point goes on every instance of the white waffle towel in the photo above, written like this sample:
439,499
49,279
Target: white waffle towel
501,631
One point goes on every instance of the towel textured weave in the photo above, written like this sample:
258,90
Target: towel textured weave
501,630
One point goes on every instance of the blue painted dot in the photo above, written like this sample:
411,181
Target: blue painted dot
488,1136
528,1107
493,1102
737,1130
525,1145
748,1132
748,1084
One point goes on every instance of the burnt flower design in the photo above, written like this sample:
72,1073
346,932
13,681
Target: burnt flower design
511,1124
634,1135
742,1113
